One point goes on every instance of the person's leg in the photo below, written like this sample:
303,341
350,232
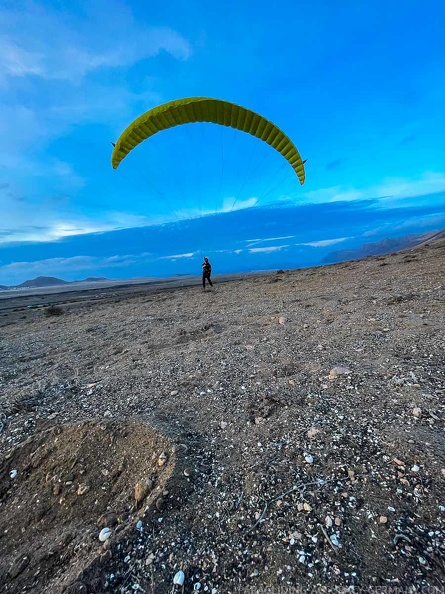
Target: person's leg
210,282
203,281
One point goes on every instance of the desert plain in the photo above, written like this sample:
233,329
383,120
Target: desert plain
281,432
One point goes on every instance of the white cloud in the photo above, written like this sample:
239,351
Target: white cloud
16,61
324,242
256,241
38,42
228,205
66,266
390,193
273,248
50,56
177,256
50,225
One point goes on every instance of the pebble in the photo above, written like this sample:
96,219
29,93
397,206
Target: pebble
309,459
223,424
13,474
282,320
328,521
174,393
83,488
312,432
142,488
383,519
417,412
104,534
188,472
415,468
179,578
336,371
162,459
139,525
307,507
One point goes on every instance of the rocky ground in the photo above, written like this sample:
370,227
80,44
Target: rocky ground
278,433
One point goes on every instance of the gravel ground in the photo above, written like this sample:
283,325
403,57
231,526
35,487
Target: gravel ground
279,433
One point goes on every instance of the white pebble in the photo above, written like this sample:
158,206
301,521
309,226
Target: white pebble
179,578
309,459
13,473
104,534
415,468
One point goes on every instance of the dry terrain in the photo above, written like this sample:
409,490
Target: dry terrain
280,433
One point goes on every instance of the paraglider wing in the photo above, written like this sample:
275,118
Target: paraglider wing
202,109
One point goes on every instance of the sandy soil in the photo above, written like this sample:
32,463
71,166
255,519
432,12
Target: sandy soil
280,431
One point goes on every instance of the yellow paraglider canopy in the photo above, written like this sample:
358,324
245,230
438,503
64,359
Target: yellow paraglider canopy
202,109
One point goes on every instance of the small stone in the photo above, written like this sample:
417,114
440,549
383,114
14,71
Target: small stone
160,503
104,534
307,507
312,432
398,462
83,488
336,371
383,519
223,424
13,474
57,489
162,459
179,578
415,468
337,521
328,521
142,489
174,393
282,320
309,459
417,412
334,540
188,472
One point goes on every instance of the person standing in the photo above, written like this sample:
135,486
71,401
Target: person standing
206,272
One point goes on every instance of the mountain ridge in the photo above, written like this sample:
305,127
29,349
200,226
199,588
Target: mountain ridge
379,248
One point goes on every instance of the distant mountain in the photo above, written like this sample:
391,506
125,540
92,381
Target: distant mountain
3,288
52,281
384,246
43,281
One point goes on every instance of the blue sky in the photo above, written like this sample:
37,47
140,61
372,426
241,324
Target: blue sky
358,86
